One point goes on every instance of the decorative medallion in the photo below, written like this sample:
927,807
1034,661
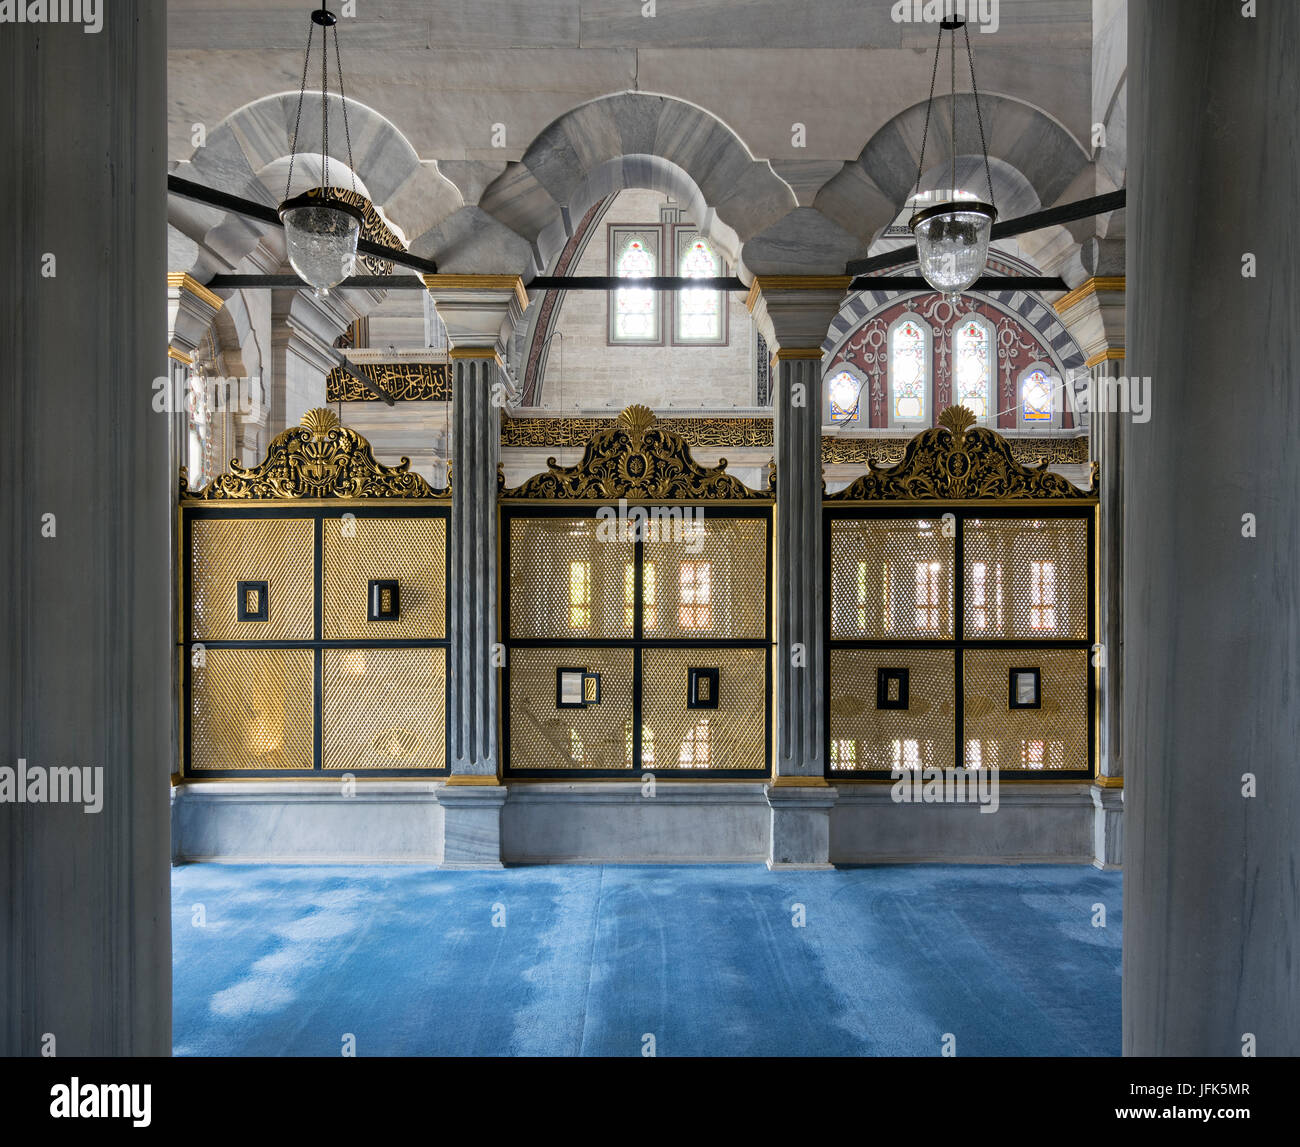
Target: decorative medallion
959,460
318,459
635,457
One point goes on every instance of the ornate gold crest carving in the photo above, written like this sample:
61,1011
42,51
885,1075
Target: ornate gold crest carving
318,459
635,457
958,460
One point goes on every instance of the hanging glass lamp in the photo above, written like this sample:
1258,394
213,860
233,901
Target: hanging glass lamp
320,228
952,237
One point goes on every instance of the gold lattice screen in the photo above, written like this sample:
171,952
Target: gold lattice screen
669,629
962,612
313,610
961,636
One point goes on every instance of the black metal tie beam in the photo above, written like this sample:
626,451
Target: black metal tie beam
603,283
1065,213
224,201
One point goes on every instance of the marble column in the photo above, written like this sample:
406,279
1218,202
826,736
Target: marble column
1093,312
85,933
1212,535
793,313
479,312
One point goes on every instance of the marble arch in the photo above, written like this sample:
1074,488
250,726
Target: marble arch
870,190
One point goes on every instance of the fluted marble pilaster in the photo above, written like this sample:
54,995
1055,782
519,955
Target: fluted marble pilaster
793,313
472,620
85,484
1211,912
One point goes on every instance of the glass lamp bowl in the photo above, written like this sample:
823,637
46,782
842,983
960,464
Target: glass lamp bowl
952,243
321,236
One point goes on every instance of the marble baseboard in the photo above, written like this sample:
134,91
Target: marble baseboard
612,822
1048,823
307,822
800,826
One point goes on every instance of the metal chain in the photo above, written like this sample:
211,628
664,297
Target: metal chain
297,121
979,119
952,137
343,99
929,103
324,111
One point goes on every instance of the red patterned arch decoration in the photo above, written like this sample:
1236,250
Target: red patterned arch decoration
1017,345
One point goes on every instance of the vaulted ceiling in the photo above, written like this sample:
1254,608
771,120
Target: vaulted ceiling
794,129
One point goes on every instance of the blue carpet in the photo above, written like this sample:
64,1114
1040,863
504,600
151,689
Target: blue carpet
289,960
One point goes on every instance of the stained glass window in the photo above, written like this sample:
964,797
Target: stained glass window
846,397
972,366
699,315
635,311
1036,397
909,374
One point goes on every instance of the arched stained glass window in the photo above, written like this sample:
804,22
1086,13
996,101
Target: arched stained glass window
699,316
845,391
634,315
972,355
909,371
1036,397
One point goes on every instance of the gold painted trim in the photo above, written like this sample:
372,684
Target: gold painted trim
763,283
233,503
479,283
479,352
179,356
457,780
755,433
1086,288
184,281
1110,354
782,354
1108,782
812,782
1005,776
182,781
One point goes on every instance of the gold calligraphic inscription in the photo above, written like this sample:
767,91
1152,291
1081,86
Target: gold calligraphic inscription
401,381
